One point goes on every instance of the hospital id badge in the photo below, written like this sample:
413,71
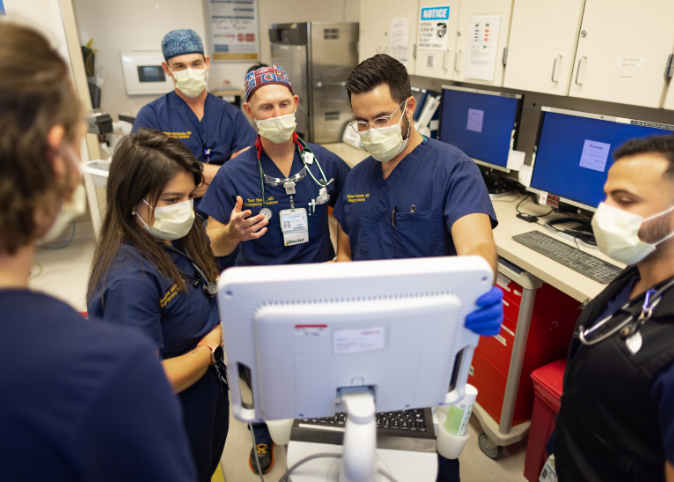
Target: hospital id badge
295,226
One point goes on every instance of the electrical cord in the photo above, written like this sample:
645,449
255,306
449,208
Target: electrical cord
65,245
517,208
257,458
284,477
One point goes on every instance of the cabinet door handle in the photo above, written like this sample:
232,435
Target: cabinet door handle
554,68
456,60
444,60
584,57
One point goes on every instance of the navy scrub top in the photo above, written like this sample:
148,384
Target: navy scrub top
83,401
135,294
440,181
241,177
223,130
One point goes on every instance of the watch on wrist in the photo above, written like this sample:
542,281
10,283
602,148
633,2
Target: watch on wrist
217,353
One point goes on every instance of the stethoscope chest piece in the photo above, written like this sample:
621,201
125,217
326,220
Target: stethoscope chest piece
210,289
266,212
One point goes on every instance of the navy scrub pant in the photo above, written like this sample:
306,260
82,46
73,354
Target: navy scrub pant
206,416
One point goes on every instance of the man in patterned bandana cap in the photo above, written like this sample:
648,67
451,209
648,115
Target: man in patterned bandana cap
288,224
213,129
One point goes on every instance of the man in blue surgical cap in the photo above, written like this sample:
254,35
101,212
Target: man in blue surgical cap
213,129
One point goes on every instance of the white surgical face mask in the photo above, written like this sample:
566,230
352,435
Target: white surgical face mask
70,210
277,129
385,143
171,222
617,234
190,82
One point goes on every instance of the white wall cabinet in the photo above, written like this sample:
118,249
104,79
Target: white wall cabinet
437,62
623,50
375,28
542,45
472,59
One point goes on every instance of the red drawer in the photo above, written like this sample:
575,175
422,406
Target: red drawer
490,384
511,290
511,313
498,349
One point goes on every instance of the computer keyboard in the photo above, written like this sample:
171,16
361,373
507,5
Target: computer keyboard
405,423
577,260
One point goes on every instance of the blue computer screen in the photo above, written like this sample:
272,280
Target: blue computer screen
481,125
575,153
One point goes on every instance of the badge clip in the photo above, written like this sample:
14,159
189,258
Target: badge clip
289,187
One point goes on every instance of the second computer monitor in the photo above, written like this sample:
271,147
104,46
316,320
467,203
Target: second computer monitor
575,151
481,123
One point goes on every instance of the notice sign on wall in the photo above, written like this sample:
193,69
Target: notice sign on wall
234,34
433,26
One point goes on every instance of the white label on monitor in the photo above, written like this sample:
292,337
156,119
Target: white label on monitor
515,160
525,175
361,339
595,155
475,118
542,197
311,330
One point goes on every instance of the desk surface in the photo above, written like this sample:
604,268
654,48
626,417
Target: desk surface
564,279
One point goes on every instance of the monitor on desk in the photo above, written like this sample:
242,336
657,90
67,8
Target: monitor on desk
363,337
482,123
574,152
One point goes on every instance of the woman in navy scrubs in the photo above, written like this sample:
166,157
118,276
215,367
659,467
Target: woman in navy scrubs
80,401
153,270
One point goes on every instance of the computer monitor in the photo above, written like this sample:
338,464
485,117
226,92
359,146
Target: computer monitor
314,337
482,123
574,151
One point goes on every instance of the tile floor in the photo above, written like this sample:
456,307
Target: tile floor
64,274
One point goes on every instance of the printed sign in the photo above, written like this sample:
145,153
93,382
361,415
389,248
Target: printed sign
234,29
483,32
433,28
354,341
595,155
400,37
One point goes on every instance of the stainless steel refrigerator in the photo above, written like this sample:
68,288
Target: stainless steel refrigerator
318,57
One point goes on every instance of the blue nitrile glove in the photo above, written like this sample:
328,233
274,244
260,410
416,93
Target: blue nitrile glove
487,319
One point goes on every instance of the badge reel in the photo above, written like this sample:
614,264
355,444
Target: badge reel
295,226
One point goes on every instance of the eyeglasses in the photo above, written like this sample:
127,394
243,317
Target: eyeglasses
378,123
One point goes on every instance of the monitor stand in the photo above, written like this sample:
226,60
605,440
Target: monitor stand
498,186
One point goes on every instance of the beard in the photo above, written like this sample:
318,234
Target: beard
405,127
657,229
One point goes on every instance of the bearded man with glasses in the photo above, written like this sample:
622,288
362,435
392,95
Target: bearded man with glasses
415,196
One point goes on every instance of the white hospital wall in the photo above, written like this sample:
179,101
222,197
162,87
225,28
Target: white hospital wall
141,24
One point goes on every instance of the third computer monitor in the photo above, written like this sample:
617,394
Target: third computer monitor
575,151
481,123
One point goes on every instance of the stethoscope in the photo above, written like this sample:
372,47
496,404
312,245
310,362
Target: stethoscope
209,288
630,334
307,157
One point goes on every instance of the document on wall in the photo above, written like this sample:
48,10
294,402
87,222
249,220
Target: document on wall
595,155
433,26
483,34
233,32
400,39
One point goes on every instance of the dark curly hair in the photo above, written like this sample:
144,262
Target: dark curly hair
378,70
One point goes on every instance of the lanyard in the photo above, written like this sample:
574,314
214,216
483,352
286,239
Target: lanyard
651,300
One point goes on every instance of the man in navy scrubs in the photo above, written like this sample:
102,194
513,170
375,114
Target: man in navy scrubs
213,129
415,196
290,181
